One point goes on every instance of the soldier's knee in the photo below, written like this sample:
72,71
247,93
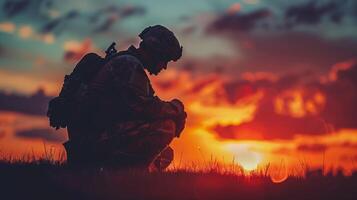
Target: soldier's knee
170,125
168,128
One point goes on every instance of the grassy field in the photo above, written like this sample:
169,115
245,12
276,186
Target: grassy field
50,180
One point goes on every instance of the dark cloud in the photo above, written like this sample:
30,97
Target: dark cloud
54,25
33,8
166,85
99,20
341,95
337,109
76,54
105,18
312,13
128,11
289,50
107,24
237,90
320,147
35,104
314,148
279,49
308,13
50,26
267,125
240,89
12,8
199,85
44,134
349,145
238,22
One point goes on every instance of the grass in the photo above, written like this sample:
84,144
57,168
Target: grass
46,178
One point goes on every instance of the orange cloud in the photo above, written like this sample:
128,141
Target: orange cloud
234,8
297,103
27,84
12,123
7,27
25,32
75,50
342,66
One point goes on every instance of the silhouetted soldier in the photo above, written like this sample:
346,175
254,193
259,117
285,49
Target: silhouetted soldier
115,118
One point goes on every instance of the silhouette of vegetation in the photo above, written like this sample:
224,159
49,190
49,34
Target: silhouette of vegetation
46,178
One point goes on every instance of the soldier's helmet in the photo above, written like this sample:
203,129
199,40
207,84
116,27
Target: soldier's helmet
161,42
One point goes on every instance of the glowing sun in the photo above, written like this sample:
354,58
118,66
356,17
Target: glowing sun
245,157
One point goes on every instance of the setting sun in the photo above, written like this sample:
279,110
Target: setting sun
220,90
244,156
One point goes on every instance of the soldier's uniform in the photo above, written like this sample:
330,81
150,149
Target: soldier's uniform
128,124
111,112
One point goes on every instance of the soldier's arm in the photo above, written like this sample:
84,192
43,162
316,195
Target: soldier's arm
133,88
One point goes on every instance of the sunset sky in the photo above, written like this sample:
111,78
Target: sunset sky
263,81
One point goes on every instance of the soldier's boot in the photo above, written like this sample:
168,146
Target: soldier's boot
79,155
72,155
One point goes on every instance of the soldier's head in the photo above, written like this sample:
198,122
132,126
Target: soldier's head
160,46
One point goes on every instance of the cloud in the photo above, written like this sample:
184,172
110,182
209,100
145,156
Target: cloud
112,14
7,27
312,13
35,104
100,19
341,96
107,24
315,148
75,50
44,134
237,90
238,22
306,13
261,34
321,147
12,8
25,32
291,50
33,8
57,24
130,10
292,106
234,8
269,126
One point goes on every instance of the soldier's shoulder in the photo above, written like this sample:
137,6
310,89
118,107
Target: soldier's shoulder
127,61
124,64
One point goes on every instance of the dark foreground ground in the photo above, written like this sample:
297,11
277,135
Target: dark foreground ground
48,181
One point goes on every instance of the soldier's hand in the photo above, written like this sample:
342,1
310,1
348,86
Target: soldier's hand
180,123
57,113
181,116
178,105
